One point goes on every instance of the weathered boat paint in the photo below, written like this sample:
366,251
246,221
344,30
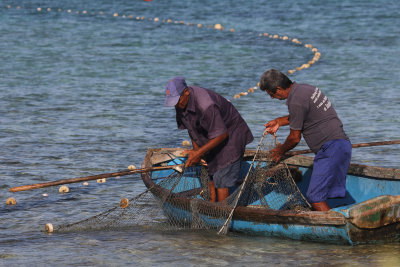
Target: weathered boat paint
370,212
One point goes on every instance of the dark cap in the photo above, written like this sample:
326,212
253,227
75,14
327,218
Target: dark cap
173,90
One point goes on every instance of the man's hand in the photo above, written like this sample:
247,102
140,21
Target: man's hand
277,153
271,127
194,157
291,141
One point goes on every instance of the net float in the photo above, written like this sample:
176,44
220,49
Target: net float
218,26
185,143
63,189
131,167
124,203
11,201
49,228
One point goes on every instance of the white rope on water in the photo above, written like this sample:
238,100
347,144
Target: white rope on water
217,26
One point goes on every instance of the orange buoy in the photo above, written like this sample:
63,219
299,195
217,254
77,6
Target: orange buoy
124,203
11,201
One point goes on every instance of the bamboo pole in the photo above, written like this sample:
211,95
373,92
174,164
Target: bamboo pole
175,167
381,143
94,177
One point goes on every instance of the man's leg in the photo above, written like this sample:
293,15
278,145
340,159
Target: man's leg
321,206
222,193
211,188
226,178
328,179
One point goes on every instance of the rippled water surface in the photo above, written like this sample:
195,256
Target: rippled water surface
81,93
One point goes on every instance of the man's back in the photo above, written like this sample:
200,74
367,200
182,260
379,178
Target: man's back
311,112
209,115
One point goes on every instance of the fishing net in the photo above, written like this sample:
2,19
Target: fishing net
181,200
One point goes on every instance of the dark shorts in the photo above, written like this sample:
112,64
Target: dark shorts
228,176
328,179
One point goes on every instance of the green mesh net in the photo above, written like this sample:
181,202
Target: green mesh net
181,200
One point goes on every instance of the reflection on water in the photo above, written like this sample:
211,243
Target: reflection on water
190,248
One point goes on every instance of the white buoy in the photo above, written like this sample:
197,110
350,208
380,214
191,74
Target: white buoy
63,189
218,26
131,167
101,181
85,183
11,201
45,194
49,228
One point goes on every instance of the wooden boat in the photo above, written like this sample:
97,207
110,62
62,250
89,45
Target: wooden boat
370,212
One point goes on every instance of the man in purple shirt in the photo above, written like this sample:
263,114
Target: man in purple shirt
311,114
219,134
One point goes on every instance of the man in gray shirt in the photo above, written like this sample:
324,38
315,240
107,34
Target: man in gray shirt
219,134
311,114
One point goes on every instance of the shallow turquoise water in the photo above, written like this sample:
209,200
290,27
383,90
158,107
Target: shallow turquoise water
82,94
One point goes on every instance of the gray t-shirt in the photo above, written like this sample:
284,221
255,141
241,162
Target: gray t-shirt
209,115
311,112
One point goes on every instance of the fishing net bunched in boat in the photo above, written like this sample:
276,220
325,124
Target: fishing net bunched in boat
181,200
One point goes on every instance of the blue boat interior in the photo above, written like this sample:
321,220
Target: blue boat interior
359,189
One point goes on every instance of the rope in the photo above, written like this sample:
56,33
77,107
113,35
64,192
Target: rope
217,27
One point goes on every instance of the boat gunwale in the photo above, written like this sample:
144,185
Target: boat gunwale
362,170
250,213
257,215
375,172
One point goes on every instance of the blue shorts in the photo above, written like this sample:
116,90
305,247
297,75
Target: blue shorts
328,179
228,176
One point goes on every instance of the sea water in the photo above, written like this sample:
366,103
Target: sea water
82,89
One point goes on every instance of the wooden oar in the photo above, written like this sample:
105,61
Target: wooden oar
381,143
94,177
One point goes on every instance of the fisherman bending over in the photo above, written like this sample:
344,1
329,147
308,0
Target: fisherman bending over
218,133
